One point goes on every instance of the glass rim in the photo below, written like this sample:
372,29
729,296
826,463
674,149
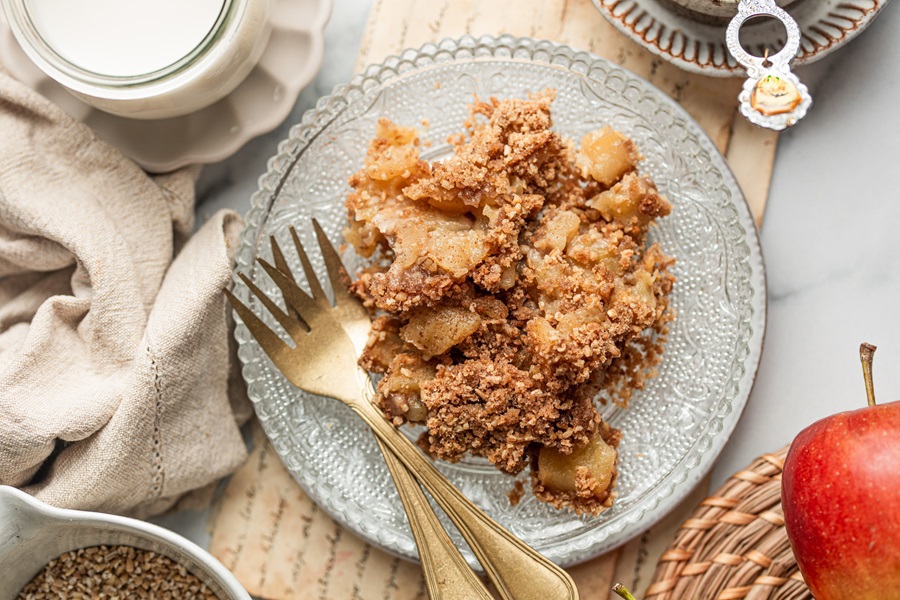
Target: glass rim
84,81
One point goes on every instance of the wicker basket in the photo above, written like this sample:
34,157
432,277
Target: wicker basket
734,546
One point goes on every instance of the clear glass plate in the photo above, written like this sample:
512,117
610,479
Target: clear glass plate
674,429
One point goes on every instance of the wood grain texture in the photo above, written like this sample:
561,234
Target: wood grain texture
281,546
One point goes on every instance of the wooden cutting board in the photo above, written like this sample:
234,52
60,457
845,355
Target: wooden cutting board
264,528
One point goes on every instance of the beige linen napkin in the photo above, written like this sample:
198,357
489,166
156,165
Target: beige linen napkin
115,392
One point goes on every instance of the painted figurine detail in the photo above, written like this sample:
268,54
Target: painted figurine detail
774,95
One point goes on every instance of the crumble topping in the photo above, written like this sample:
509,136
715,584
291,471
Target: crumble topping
513,285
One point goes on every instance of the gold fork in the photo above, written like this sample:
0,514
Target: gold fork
323,353
447,574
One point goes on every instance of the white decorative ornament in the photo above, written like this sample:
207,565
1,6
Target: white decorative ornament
772,97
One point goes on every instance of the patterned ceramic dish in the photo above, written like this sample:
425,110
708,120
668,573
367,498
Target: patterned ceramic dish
259,104
674,429
679,36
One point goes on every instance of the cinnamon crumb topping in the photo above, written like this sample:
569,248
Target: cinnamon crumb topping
518,288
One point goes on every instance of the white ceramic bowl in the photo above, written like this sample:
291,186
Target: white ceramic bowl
33,533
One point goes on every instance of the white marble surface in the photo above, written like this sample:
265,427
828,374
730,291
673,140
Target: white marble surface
829,237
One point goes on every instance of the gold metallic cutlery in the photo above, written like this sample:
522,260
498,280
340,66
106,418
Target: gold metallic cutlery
447,574
327,339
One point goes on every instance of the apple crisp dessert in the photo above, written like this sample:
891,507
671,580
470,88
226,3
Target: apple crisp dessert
513,286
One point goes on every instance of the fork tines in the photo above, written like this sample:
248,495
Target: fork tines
300,307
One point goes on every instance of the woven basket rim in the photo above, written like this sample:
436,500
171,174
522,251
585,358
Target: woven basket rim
734,545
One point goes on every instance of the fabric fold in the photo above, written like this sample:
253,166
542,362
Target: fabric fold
117,384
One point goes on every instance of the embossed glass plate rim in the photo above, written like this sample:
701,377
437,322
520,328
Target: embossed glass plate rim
698,461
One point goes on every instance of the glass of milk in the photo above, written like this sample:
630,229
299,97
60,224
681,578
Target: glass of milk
146,59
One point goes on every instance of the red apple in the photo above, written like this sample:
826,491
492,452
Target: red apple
841,497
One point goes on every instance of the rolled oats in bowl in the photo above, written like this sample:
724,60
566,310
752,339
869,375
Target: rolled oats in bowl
114,572
49,552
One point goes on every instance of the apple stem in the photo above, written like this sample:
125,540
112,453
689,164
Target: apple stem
622,591
866,354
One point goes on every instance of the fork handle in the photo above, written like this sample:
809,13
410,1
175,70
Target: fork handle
447,574
516,570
